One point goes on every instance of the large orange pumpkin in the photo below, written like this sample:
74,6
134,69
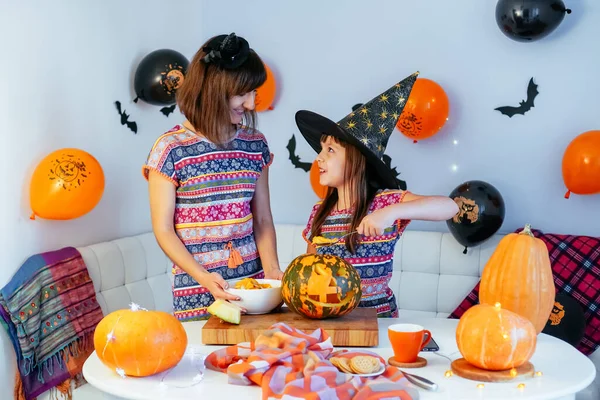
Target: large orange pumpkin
140,342
494,338
321,286
518,275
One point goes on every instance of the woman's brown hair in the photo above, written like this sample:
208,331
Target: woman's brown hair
204,95
360,192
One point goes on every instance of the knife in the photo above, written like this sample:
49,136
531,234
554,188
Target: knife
420,381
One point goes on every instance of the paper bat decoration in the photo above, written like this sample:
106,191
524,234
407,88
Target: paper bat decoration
125,118
524,106
291,146
168,110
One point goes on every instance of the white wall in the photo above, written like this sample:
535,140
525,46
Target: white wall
64,63
330,55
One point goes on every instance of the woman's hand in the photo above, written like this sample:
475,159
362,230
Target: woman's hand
215,283
375,223
273,274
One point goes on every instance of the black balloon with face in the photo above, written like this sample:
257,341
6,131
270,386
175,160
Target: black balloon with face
529,20
480,213
159,75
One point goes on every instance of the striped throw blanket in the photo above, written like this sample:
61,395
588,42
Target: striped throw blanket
295,365
50,312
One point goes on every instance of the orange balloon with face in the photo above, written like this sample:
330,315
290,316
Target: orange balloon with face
581,164
66,184
319,189
265,94
425,112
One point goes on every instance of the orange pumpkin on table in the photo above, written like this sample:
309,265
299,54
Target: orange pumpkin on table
137,342
518,275
494,338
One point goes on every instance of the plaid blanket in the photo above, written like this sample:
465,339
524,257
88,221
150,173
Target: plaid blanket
575,264
286,362
50,312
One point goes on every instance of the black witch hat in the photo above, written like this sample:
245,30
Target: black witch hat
368,128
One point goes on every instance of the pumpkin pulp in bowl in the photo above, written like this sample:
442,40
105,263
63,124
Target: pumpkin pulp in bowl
258,296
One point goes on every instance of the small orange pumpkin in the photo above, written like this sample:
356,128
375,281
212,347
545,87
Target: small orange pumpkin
137,342
494,338
518,275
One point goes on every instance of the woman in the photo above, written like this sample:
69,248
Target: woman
208,180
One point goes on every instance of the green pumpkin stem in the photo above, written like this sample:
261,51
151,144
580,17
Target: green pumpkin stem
527,230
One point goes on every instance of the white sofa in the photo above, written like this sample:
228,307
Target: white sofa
431,277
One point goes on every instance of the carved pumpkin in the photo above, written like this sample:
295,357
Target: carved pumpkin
494,338
518,275
137,342
321,286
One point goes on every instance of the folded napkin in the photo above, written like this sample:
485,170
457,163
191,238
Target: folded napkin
290,364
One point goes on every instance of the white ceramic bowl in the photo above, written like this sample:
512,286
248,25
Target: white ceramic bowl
258,301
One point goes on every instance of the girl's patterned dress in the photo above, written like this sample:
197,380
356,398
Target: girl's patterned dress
374,255
214,188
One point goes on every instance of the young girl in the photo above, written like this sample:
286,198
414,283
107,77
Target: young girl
208,180
363,208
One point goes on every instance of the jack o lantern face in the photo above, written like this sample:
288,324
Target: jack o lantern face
410,124
468,210
558,312
321,286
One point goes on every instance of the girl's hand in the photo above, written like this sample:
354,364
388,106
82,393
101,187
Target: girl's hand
375,223
273,274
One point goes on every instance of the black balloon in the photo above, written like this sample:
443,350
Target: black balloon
480,215
529,20
159,75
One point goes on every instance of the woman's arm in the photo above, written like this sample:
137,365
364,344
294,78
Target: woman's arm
264,230
162,210
413,207
311,249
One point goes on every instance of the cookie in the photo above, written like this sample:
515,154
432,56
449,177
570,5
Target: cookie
364,364
343,364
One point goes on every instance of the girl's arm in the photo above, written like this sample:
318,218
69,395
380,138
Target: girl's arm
264,230
162,209
412,207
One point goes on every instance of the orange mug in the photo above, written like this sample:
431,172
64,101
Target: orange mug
407,341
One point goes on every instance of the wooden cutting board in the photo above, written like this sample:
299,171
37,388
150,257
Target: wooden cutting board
357,329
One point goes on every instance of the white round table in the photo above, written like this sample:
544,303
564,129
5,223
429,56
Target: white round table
565,371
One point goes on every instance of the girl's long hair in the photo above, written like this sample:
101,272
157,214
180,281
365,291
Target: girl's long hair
360,193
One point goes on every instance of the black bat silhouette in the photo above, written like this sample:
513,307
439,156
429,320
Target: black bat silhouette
524,106
291,146
168,110
125,118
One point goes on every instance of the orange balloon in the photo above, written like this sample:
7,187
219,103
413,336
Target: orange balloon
425,112
67,184
581,164
265,94
320,190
